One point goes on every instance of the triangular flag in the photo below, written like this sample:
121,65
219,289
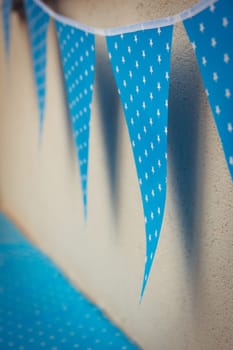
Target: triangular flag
141,66
211,33
6,12
38,22
78,58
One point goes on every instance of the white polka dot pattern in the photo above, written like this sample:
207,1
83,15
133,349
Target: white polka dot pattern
78,58
39,309
141,66
38,22
211,34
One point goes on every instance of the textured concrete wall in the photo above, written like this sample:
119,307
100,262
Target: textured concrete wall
188,302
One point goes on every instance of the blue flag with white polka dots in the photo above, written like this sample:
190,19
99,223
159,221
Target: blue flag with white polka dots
141,66
38,22
6,12
41,310
211,33
78,58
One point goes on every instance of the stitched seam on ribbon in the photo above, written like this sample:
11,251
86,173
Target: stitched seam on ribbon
158,23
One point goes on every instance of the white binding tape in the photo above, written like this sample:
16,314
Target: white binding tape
158,23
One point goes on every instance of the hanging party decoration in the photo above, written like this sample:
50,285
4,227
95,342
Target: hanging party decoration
141,66
38,22
211,33
140,56
78,58
6,9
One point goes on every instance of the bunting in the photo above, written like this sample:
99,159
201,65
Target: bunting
140,56
6,9
78,58
38,22
141,66
211,33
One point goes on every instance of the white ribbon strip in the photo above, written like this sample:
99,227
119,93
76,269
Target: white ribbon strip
158,23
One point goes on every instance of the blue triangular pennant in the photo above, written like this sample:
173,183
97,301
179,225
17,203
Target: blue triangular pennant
211,33
38,22
6,11
78,58
141,66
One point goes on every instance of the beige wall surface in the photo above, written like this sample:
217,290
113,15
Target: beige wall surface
188,303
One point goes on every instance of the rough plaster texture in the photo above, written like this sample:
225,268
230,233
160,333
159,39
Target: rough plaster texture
188,303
